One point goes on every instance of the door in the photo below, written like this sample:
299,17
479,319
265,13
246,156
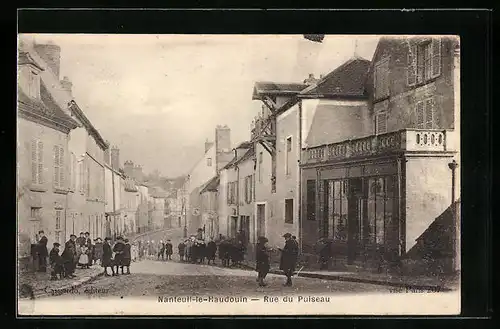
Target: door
233,226
261,220
354,217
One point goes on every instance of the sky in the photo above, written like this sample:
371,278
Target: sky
159,97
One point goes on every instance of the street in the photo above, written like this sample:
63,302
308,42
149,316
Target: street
151,278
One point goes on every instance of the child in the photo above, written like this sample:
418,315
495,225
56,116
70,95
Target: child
97,251
181,247
56,262
83,261
126,257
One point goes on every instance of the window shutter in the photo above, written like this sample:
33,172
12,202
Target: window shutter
56,165
436,57
61,167
420,115
429,113
34,162
420,54
381,123
40,162
411,72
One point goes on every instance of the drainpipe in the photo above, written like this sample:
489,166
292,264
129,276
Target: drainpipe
237,192
299,178
114,205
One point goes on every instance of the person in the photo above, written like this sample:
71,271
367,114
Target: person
83,261
81,240
262,260
181,247
97,256
325,248
211,251
56,262
161,250
126,256
68,257
118,249
169,249
224,252
90,249
42,252
288,258
107,255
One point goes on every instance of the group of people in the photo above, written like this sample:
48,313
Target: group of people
195,250
83,253
288,260
165,250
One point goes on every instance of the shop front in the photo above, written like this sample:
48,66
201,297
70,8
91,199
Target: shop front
356,207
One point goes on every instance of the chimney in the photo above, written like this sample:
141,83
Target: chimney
208,145
67,85
222,139
107,154
128,168
51,54
115,158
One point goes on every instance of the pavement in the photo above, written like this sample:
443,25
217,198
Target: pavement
151,278
431,283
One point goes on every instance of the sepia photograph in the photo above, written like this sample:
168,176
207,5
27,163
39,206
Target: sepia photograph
212,174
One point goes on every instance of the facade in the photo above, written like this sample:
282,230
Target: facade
157,197
43,161
142,212
209,208
216,155
376,189
114,184
131,200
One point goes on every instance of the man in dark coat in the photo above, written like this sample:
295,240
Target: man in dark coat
127,256
182,248
107,255
90,246
81,240
42,252
161,250
211,251
288,258
56,262
69,256
169,249
262,260
118,249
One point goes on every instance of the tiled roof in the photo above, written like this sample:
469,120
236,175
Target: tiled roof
40,109
346,80
244,145
248,154
211,186
274,89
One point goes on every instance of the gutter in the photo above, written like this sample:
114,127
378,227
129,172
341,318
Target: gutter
299,179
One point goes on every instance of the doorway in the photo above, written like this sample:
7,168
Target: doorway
354,218
233,226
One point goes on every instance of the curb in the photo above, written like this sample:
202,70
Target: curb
75,284
436,288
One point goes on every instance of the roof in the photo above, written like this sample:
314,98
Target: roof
25,58
211,186
248,154
244,145
346,80
60,96
262,88
37,108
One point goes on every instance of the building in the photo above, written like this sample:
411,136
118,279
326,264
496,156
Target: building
114,182
209,208
157,198
216,155
131,199
143,210
276,132
43,162
236,195
380,177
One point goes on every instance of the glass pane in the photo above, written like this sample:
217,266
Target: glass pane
371,220
390,186
379,225
331,208
337,189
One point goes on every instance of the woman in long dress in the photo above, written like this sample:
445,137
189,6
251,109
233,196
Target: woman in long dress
83,261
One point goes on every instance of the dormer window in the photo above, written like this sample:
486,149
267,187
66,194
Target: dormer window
29,75
34,84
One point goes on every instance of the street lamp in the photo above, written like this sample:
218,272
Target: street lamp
456,260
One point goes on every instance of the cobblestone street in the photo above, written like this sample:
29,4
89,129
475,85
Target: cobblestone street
157,278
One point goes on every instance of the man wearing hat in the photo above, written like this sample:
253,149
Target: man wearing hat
107,254
69,256
288,258
262,260
119,249
56,262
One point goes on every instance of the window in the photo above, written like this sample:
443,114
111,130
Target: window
37,162
287,155
381,78
336,209
424,61
425,114
35,212
231,193
260,166
58,219
380,207
58,237
311,200
33,84
289,211
248,189
381,123
209,162
58,166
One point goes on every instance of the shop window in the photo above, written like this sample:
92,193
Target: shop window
380,208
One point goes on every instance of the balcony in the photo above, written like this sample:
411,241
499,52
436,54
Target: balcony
407,140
